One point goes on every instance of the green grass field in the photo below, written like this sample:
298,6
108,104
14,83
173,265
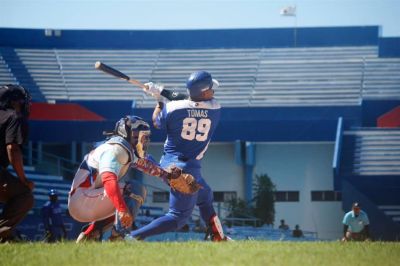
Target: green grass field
202,253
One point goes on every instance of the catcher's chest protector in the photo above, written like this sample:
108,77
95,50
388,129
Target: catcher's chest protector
123,154
121,141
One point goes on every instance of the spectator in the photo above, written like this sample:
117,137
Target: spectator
16,192
297,232
355,224
283,226
52,219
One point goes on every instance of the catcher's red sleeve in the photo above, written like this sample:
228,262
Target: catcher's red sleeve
112,189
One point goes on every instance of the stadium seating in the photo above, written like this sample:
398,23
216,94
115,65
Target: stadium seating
381,78
6,77
376,151
249,77
43,183
392,211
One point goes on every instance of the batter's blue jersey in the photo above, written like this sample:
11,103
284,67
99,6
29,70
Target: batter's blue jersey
190,126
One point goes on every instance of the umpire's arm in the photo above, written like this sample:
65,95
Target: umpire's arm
15,157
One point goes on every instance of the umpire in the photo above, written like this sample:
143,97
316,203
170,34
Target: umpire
15,192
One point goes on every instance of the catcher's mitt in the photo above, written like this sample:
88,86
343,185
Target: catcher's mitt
182,182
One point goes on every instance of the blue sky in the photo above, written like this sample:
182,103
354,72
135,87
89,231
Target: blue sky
190,14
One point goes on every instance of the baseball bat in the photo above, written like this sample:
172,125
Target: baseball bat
118,74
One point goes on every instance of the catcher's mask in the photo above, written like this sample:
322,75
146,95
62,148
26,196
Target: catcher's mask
136,131
15,93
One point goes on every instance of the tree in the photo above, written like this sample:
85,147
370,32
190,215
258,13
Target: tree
264,190
238,208
263,206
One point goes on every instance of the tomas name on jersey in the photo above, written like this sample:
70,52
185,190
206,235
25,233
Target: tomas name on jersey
197,113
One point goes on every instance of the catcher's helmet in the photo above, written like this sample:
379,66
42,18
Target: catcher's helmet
198,82
10,93
136,131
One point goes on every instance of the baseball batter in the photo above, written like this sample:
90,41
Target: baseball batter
190,125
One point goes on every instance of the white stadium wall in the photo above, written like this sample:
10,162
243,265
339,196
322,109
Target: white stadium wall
220,170
302,167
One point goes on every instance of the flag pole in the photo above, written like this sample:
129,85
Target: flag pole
292,12
295,27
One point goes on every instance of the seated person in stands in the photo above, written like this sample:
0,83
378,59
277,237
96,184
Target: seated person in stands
355,224
297,232
283,226
16,191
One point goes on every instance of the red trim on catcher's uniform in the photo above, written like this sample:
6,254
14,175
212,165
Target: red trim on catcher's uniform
89,229
62,112
111,187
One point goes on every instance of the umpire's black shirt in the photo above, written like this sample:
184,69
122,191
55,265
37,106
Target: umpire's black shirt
13,129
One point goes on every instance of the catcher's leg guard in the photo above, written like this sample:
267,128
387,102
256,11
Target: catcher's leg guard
215,231
134,195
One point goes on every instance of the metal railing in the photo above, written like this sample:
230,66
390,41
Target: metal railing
50,163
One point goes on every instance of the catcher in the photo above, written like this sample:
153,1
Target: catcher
97,191
190,124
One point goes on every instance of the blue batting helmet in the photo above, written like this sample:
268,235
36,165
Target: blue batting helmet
53,192
198,82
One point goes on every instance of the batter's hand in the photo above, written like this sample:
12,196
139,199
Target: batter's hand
153,89
126,219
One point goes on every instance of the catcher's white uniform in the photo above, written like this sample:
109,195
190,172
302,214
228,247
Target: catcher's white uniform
87,199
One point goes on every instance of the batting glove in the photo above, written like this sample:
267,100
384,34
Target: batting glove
154,89
126,219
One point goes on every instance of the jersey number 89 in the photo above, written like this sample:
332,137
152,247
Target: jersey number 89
193,129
